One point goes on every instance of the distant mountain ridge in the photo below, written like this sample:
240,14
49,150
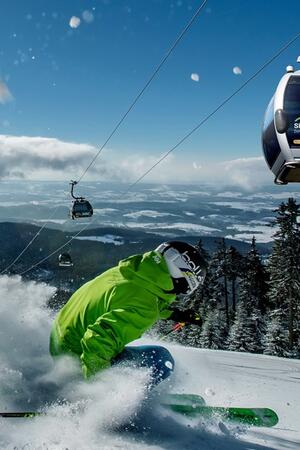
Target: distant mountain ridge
90,257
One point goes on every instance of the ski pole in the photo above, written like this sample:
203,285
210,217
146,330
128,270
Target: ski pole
178,326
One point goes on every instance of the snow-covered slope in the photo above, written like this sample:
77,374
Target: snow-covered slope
239,379
96,415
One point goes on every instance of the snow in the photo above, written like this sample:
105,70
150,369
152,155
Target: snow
237,70
105,211
80,415
262,231
74,22
59,221
195,77
275,196
106,239
148,213
229,194
255,207
187,227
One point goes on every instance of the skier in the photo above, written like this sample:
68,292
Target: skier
119,305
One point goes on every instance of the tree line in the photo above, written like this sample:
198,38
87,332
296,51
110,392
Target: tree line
246,303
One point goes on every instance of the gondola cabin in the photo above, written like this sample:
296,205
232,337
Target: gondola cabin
281,129
65,260
81,208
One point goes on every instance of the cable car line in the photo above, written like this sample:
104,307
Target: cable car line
141,92
57,250
266,64
29,243
81,206
223,103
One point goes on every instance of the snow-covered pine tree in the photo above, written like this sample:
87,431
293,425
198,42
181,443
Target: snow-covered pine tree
276,340
212,293
214,329
234,269
246,332
257,275
211,300
248,328
284,269
190,335
202,251
222,272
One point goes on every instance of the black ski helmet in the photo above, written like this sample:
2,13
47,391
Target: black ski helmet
186,265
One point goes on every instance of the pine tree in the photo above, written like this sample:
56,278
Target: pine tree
248,328
234,270
213,287
197,300
284,268
202,251
190,335
223,271
244,334
257,276
214,330
276,341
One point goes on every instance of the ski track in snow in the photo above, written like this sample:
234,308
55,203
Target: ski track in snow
115,410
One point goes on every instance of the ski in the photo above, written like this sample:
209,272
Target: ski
260,417
184,399
193,405
27,414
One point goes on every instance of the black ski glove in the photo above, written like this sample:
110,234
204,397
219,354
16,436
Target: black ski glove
187,316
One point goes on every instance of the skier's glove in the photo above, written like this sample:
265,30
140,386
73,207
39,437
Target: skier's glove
188,316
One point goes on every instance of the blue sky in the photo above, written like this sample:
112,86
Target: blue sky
73,84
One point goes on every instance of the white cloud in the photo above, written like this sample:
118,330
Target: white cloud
53,159
25,156
74,22
195,77
5,94
237,70
246,172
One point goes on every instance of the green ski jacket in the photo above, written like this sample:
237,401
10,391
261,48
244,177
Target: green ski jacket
113,309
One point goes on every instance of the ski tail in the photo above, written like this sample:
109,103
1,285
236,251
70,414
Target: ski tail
260,417
26,414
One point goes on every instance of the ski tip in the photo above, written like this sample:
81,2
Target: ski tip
267,416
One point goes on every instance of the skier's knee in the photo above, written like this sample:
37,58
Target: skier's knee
168,360
165,364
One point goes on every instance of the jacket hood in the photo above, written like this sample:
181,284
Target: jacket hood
149,271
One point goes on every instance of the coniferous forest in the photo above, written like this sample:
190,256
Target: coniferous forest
247,304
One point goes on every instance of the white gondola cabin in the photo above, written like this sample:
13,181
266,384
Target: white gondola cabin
281,129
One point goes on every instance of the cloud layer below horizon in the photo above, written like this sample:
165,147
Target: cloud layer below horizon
27,157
